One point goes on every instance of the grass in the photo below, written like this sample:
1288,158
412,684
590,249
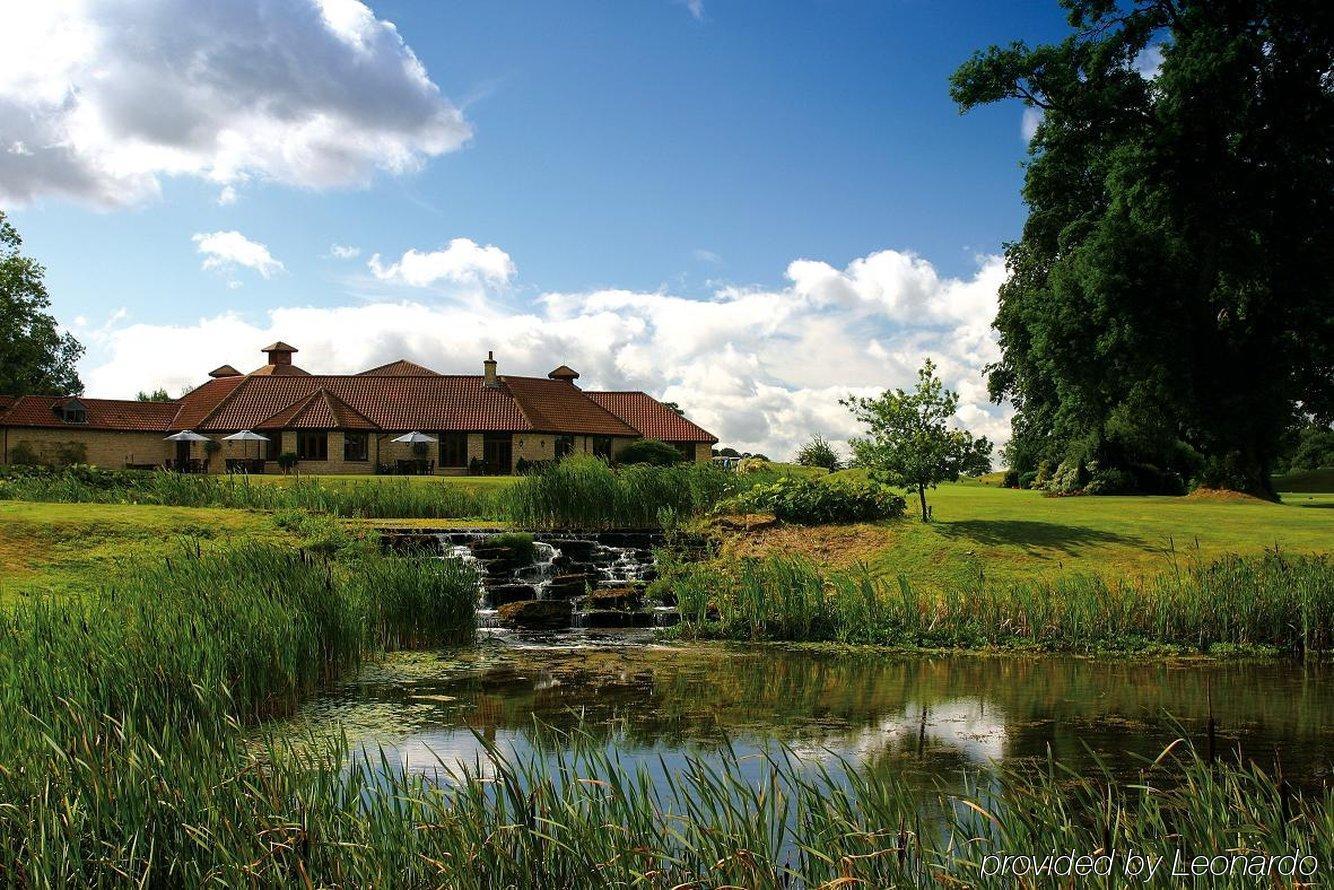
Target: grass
1260,604
58,548
1307,481
1007,536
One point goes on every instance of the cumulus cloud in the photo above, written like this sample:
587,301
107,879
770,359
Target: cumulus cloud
344,251
225,251
461,261
100,99
763,368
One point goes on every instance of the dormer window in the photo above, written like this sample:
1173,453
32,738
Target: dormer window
72,411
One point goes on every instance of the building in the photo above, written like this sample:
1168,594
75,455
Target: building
346,423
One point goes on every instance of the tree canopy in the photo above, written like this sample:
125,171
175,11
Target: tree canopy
36,358
1171,302
819,453
909,439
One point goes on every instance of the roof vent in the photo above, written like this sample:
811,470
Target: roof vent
224,371
565,373
489,371
279,353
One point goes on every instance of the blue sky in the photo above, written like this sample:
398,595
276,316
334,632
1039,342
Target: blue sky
636,148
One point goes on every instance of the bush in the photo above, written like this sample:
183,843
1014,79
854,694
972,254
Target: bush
811,502
1027,480
649,451
287,461
819,453
1011,479
23,455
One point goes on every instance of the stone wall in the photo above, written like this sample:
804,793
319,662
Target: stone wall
104,448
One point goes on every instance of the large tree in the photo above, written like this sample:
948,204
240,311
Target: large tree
1170,301
35,356
910,438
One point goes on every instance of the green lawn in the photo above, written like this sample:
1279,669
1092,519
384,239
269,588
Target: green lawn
56,548
1008,534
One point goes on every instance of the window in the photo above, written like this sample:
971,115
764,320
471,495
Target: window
602,447
72,411
453,449
356,446
564,446
686,449
312,445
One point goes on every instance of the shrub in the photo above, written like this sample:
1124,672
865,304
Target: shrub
23,455
819,453
287,461
71,453
1027,480
755,464
519,542
811,502
1011,479
649,451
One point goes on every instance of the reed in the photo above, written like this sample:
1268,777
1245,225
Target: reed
368,499
1273,602
584,492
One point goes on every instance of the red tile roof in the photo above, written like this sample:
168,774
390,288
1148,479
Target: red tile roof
556,406
321,410
201,401
651,418
279,371
400,368
390,403
104,414
379,400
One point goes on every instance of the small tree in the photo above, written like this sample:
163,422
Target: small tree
819,453
158,395
909,440
36,357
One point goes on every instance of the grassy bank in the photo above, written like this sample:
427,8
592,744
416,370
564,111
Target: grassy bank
1269,603
63,548
1007,536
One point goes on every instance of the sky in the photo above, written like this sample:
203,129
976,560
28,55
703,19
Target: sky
750,208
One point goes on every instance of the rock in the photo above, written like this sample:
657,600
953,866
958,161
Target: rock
567,587
666,617
574,550
501,594
536,614
615,598
411,541
615,618
499,555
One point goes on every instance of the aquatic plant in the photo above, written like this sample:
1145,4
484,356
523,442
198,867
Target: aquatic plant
1275,601
584,492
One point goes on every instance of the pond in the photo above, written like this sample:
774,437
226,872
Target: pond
926,717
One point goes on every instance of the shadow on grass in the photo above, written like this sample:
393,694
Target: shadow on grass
1033,535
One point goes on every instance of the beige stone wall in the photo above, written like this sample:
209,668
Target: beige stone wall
703,452
104,448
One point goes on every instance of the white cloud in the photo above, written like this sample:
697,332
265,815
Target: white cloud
344,251
763,368
101,99
461,261
696,8
224,251
1149,62
1028,125
227,196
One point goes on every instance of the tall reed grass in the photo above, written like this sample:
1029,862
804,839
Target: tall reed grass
121,706
579,492
583,492
1273,601
367,499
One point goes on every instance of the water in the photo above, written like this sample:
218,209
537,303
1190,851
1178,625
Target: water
924,717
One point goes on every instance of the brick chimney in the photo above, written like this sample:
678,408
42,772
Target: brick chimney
279,353
489,371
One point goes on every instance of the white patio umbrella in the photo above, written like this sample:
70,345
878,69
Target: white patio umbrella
413,438
247,436
186,436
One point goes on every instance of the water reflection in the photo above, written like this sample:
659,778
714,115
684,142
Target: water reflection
925,717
